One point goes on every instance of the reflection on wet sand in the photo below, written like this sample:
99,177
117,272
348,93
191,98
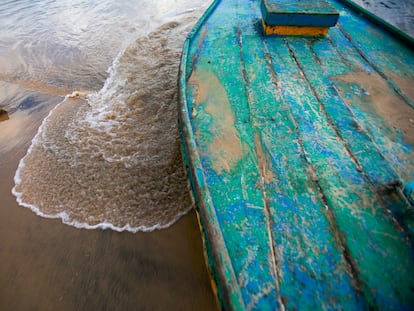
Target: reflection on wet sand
36,86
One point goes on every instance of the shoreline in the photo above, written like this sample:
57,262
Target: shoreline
47,265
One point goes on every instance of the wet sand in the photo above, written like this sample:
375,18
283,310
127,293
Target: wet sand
46,265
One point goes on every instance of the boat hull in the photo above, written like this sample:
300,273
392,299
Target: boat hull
299,152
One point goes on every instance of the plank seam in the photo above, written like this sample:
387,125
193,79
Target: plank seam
262,187
384,188
330,121
311,172
395,186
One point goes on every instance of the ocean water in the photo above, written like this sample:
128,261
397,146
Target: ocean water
108,154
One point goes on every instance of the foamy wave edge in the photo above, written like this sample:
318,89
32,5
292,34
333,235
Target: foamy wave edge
63,215
103,225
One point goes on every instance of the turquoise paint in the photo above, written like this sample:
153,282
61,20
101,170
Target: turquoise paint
345,188
302,185
288,204
358,143
348,60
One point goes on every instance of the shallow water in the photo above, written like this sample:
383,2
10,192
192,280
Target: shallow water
108,155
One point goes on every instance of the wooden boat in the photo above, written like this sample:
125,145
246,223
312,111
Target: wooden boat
299,151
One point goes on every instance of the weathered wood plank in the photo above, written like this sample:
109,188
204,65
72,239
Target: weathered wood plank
290,197
343,107
390,61
226,149
358,211
307,250
360,146
374,103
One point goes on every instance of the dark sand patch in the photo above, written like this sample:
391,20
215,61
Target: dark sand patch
3,115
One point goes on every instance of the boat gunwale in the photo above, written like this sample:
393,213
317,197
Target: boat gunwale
379,21
217,258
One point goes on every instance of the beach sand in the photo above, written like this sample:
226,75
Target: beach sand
46,265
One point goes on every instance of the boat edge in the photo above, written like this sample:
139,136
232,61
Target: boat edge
401,35
224,283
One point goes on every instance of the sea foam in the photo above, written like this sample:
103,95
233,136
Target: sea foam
112,160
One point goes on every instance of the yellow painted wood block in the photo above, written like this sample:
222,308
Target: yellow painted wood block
310,31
